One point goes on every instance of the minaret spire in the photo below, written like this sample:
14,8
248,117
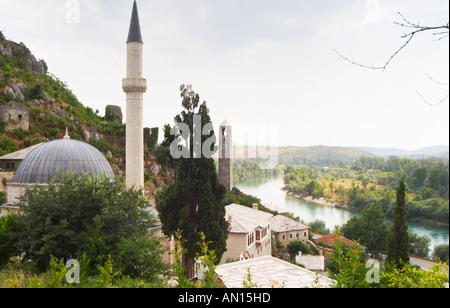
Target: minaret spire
134,85
134,34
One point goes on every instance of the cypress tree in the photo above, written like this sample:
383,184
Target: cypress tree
193,204
398,242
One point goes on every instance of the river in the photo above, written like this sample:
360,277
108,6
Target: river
268,189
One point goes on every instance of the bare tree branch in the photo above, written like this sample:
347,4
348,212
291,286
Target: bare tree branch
417,28
433,105
409,36
440,83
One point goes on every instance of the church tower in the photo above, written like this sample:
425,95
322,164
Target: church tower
134,86
225,175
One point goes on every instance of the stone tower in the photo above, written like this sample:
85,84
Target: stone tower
134,86
225,155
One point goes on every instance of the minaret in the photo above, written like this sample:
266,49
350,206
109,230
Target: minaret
225,175
134,86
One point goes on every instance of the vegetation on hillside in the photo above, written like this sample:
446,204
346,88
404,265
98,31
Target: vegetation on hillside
375,180
53,107
319,156
246,169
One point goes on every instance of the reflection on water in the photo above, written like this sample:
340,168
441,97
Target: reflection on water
268,189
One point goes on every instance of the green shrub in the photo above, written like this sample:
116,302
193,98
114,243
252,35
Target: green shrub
7,146
34,92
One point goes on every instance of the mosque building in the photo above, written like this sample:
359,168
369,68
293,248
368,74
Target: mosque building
45,161
49,159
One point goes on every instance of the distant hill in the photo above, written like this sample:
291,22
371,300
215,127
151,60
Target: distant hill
321,156
441,151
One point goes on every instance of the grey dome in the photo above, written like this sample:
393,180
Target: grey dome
48,159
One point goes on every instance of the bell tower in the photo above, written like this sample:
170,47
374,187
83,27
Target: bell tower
225,175
134,86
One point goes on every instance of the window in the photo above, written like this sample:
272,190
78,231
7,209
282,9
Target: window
250,238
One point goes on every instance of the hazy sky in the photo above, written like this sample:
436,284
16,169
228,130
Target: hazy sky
256,62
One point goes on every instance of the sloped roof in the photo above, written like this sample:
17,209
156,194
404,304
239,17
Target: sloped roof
331,240
245,219
20,155
270,272
282,223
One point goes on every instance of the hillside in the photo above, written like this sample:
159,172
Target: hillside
434,151
320,156
36,106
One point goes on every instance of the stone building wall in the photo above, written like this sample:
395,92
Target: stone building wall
16,116
225,175
8,176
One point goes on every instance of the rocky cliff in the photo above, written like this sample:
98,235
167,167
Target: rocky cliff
36,106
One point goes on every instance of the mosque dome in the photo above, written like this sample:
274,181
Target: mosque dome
59,156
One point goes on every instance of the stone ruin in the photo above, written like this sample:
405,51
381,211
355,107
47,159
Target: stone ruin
15,115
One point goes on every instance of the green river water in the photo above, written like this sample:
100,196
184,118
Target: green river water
268,189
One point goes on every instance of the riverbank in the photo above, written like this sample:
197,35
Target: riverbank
310,199
269,190
322,201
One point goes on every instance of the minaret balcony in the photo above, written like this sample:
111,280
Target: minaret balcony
134,85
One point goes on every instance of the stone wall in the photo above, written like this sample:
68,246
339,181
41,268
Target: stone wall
15,115
292,235
311,262
8,176
113,112
14,192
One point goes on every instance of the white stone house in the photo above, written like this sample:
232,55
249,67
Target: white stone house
249,233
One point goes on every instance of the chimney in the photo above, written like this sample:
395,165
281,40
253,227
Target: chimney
229,222
255,206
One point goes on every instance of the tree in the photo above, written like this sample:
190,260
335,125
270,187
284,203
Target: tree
412,277
73,216
441,252
371,229
295,246
193,203
419,245
8,225
347,264
398,241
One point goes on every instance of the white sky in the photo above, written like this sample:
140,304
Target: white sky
257,62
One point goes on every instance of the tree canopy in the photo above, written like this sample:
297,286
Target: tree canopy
88,216
193,203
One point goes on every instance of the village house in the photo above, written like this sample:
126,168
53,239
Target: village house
288,230
249,233
327,242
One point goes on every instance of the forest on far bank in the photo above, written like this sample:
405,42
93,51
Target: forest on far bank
375,180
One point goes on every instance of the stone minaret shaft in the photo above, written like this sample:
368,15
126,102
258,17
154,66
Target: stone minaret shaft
134,86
